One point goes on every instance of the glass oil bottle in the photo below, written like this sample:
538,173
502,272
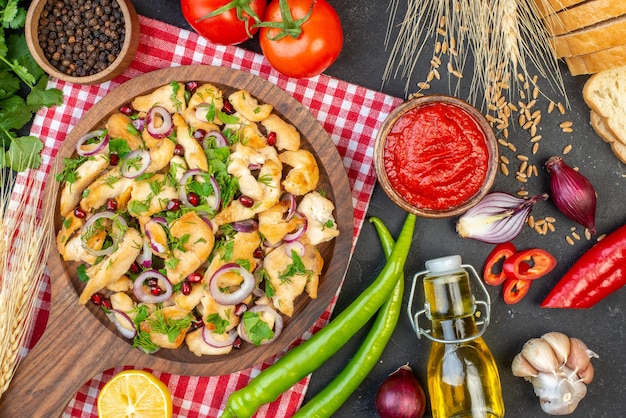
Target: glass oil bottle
463,378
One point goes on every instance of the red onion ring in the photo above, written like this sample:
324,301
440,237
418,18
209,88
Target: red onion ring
294,236
208,336
292,205
182,189
135,163
146,297
98,133
126,332
116,237
145,257
247,225
156,246
139,123
278,324
296,246
239,295
166,127
218,137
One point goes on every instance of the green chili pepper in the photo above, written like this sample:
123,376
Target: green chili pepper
300,361
327,401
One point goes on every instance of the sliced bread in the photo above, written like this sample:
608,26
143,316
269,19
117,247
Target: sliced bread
618,148
597,61
547,7
583,15
591,39
605,94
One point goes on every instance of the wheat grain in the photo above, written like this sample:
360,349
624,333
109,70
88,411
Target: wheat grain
25,242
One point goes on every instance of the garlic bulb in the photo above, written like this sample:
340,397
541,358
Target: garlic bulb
559,368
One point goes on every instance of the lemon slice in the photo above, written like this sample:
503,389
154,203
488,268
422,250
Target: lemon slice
134,394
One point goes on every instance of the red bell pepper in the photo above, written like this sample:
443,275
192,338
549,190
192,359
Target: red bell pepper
514,290
493,271
529,264
600,271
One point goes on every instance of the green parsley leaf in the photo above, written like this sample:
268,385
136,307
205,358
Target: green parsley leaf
297,267
256,329
218,322
119,146
171,327
81,271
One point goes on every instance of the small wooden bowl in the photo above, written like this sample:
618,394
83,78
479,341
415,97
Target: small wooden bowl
491,164
126,55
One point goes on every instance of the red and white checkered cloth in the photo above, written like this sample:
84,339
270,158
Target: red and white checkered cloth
352,116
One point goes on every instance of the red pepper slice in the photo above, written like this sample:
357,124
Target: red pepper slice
514,290
597,273
529,264
493,272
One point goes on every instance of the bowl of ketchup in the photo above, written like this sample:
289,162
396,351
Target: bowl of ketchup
436,156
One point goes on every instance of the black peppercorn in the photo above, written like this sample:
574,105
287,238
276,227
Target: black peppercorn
81,37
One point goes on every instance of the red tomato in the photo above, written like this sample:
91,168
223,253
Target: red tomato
233,21
301,49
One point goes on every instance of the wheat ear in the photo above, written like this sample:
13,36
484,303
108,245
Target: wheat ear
26,228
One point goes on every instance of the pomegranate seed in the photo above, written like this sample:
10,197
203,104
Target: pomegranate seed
179,150
185,288
191,86
127,110
271,138
246,201
134,268
199,134
114,159
237,343
228,108
106,304
79,213
196,325
97,298
156,290
193,198
173,205
258,253
152,282
111,205
194,277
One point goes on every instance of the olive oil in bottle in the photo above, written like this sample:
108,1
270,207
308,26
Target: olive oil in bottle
463,379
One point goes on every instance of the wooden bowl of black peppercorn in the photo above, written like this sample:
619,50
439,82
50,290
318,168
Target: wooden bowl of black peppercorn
82,41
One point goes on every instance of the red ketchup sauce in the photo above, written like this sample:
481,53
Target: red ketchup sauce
436,156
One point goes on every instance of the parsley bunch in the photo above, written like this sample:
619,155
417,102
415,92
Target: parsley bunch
23,91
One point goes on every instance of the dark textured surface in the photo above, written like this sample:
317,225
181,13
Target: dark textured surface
362,61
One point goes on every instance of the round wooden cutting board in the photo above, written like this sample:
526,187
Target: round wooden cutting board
80,341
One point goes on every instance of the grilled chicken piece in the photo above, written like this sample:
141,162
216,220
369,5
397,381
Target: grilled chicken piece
194,154
304,174
287,287
117,128
167,315
287,136
109,185
85,174
194,244
170,96
321,225
249,107
114,265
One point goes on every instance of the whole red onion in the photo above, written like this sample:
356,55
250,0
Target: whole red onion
572,193
401,395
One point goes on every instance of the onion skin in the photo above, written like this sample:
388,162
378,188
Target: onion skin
497,218
401,396
572,193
